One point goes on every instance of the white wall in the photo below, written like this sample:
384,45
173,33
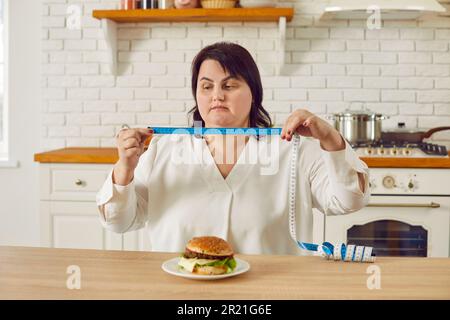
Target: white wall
19,219
402,70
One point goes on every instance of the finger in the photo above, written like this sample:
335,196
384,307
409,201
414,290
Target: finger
126,134
134,145
144,133
139,137
137,133
146,139
135,137
132,142
294,122
284,130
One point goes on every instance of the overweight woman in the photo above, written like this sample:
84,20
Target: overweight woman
232,186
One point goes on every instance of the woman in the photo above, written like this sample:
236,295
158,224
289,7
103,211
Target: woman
233,199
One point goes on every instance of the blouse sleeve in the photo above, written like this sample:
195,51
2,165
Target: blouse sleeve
125,208
334,180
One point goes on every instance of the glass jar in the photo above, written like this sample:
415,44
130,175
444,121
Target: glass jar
128,4
165,4
148,4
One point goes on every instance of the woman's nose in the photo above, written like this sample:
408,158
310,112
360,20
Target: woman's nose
218,95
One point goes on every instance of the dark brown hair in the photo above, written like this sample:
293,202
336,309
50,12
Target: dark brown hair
238,62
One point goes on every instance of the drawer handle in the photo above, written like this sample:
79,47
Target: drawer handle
79,182
432,205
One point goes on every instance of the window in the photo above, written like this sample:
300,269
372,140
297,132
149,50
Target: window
3,72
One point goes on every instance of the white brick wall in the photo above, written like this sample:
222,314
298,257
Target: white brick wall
402,70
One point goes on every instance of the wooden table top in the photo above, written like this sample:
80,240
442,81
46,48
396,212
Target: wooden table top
110,156
41,273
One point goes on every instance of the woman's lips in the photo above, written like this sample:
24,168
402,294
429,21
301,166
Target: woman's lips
219,108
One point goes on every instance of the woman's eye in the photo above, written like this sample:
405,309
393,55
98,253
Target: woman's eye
206,87
229,86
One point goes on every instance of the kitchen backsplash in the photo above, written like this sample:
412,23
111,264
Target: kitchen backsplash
402,69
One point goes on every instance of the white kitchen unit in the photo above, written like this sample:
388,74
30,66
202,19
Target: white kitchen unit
68,212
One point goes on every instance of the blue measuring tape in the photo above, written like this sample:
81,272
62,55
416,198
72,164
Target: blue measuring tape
351,252
333,252
225,131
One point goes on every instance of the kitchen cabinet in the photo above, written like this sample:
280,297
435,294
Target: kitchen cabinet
111,18
69,216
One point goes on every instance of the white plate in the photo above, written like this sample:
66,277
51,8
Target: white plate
171,266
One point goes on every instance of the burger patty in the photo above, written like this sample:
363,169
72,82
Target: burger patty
191,254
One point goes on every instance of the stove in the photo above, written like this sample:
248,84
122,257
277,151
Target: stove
401,150
409,210
408,214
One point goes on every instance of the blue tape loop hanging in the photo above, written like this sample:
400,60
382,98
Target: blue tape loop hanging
327,250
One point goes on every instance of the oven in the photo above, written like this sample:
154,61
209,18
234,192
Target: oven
408,215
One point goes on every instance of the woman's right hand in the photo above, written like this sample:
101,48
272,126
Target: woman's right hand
130,145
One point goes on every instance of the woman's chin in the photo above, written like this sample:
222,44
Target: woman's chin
219,122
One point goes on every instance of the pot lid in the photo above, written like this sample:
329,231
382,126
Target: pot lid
355,113
401,128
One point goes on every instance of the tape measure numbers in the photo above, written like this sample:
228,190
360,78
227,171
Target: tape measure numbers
225,131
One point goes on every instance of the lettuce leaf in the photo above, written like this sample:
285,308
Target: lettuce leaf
229,263
189,264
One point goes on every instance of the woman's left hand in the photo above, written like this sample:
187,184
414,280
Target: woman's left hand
308,124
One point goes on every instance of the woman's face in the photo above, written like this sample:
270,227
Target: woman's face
223,101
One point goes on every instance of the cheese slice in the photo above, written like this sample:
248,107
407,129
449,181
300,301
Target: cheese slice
189,264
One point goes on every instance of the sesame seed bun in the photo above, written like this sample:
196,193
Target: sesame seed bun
210,245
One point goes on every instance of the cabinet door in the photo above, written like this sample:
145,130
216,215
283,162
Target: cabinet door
72,224
61,182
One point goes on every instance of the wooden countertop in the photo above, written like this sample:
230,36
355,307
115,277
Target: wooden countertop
109,156
79,155
436,163
41,273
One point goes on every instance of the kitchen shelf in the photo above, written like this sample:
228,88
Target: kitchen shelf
195,15
111,18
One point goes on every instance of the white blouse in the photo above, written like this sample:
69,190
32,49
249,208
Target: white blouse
178,193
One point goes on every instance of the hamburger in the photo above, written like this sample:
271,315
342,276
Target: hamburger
208,255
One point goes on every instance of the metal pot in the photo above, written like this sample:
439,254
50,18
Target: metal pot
402,134
359,126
